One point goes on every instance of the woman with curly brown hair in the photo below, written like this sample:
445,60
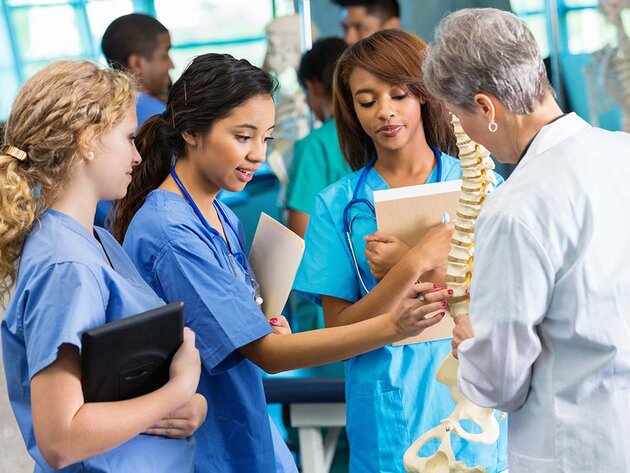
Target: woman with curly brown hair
393,133
68,144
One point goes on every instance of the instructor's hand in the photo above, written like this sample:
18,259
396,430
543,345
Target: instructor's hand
462,331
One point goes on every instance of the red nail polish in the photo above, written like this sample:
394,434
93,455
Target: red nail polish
435,286
442,314
450,292
273,321
443,303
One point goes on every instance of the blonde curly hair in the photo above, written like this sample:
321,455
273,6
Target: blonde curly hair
54,119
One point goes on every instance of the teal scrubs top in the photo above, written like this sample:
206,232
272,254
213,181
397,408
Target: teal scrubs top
317,163
182,260
66,286
392,397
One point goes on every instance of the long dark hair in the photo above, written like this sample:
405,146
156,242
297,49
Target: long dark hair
209,89
396,57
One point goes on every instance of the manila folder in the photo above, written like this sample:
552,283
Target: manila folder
275,257
409,213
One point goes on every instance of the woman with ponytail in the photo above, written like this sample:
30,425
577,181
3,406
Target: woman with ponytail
189,246
68,144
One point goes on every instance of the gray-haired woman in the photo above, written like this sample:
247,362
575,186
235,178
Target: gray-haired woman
551,287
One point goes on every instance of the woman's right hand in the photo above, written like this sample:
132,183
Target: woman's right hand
432,250
186,364
410,314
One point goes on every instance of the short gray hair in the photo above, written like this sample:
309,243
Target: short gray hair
487,50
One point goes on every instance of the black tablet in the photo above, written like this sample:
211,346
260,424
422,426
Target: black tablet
132,356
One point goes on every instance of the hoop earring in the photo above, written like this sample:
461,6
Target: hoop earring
492,126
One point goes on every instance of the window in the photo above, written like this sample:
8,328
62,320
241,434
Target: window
35,32
582,27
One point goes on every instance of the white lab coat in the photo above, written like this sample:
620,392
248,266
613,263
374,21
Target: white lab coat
551,303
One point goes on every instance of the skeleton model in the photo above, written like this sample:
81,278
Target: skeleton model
477,181
610,69
292,112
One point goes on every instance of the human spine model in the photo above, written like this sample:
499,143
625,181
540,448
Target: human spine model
477,181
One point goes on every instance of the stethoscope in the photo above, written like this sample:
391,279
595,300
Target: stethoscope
347,223
233,258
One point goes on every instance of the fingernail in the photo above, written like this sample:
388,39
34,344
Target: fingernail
435,286
450,292
443,303
442,314
273,321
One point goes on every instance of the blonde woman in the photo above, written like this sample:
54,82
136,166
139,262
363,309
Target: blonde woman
68,144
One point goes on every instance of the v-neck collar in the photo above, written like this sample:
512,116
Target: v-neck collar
73,225
231,240
376,182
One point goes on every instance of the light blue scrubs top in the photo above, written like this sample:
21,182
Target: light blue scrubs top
65,286
147,106
181,260
392,397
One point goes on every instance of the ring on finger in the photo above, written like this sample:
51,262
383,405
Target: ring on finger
420,296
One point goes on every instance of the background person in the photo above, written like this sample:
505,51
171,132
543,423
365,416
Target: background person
362,18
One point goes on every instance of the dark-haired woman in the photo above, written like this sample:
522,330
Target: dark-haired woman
188,246
393,133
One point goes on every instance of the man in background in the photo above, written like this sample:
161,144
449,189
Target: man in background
139,44
362,18
317,159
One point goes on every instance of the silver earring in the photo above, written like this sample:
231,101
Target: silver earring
492,126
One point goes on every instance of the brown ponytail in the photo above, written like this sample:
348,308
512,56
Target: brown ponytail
153,146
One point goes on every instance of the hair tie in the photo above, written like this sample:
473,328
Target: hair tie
14,152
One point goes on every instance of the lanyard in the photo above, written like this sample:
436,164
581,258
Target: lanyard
233,260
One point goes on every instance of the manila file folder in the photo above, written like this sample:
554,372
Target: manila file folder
275,257
409,213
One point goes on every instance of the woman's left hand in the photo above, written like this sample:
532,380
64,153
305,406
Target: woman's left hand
184,421
462,331
383,252
280,325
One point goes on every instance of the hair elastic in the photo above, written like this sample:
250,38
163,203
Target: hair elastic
14,152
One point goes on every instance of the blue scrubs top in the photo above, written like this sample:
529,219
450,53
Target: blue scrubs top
182,260
392,397
147,106
65,286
